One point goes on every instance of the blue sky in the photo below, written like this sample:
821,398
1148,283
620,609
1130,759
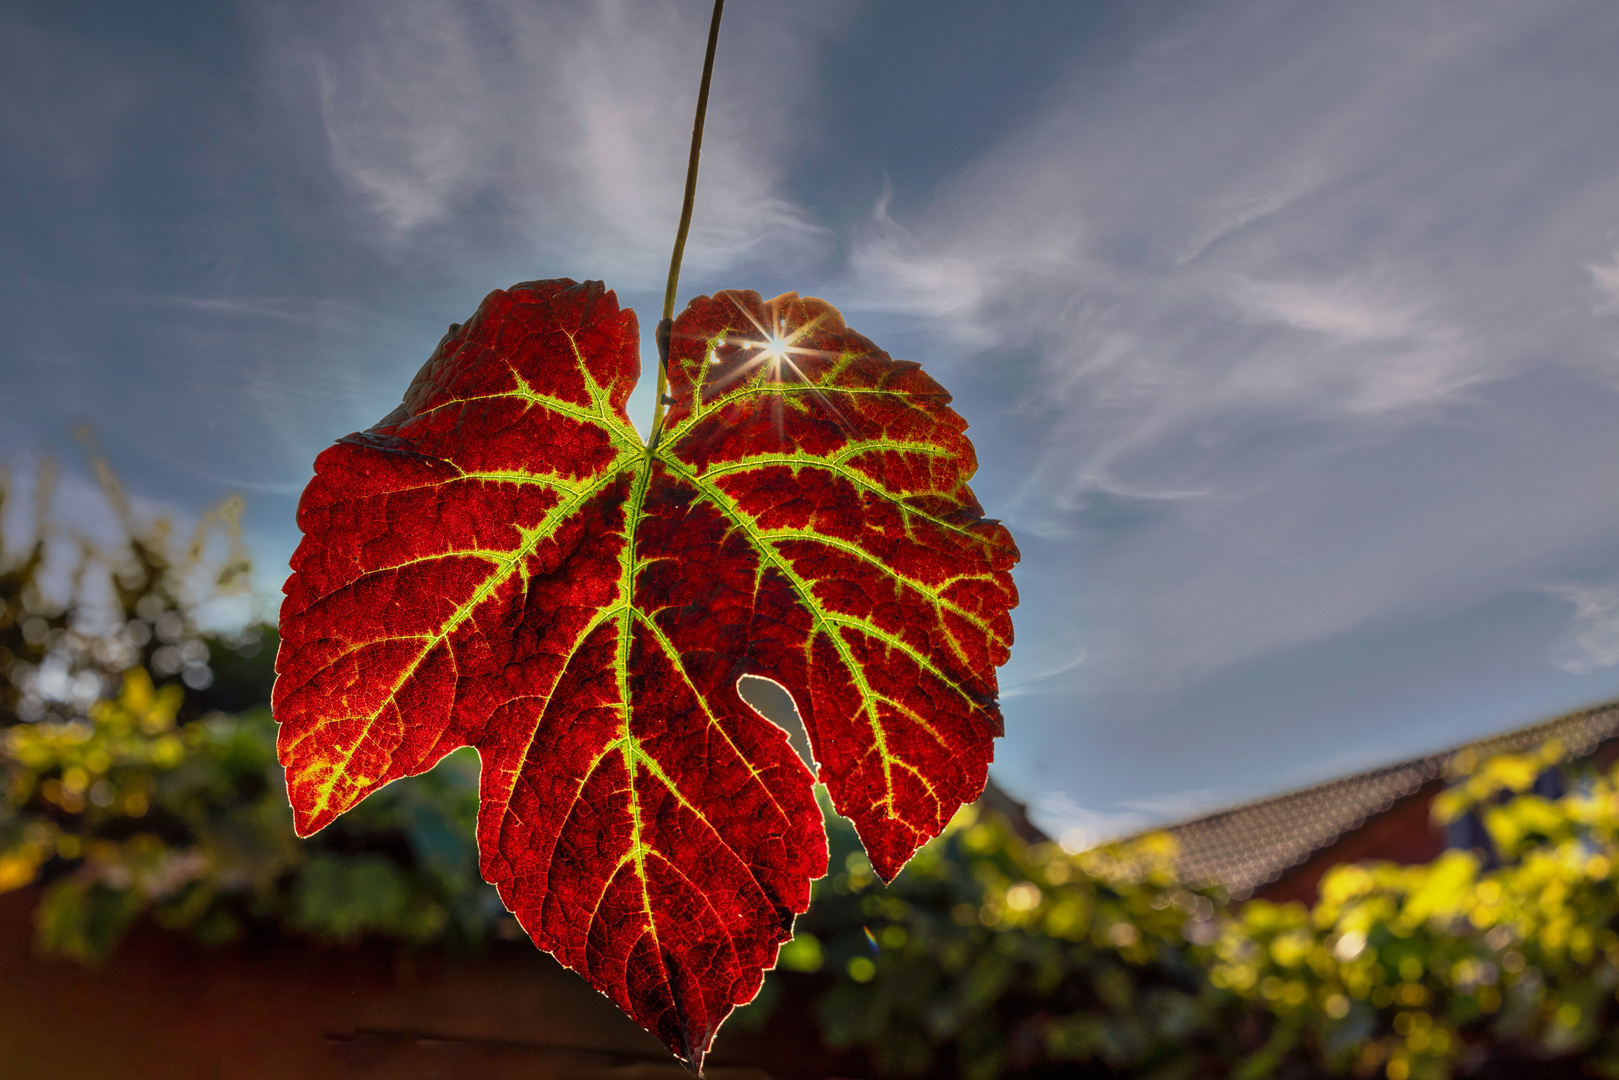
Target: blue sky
1288,333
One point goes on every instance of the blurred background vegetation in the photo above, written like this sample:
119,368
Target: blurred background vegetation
138,781
138,771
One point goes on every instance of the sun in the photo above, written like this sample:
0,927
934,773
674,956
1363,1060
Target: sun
774,352
775,347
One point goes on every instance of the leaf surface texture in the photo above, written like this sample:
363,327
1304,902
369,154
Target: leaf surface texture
503,563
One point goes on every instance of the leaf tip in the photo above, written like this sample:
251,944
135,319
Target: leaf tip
887,869
306,822
693,1050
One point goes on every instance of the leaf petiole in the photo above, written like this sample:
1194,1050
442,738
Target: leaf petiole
667,323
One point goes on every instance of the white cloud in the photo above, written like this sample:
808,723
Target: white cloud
1335,312
963,281
1032,683
1592,644
1277,273
573,120
1606,279
1078,827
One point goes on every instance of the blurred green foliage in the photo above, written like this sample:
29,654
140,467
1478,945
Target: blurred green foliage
1431,971
988,956
138,779
138,772
993,957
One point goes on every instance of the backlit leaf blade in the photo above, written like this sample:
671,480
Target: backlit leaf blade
502,563
884,595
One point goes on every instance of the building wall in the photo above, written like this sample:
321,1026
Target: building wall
1404,833
166,1009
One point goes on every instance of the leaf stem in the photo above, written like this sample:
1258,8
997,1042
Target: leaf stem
667,323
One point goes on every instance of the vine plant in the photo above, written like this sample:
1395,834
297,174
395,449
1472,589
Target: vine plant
503,562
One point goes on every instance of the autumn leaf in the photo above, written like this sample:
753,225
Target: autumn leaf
503,563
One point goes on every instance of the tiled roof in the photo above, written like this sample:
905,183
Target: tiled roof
1249,846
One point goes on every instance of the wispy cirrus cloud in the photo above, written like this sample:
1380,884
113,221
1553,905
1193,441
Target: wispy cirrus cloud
1271,329
570,123
1592,641
1078,827
1606,279
1285,331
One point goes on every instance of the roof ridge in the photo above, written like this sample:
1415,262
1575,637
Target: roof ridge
1253,843
1298,793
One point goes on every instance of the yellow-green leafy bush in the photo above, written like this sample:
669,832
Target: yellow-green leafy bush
138,774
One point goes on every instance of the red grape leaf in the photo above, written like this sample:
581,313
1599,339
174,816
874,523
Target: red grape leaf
502,563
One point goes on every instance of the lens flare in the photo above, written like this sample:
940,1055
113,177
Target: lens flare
775,360
773,349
